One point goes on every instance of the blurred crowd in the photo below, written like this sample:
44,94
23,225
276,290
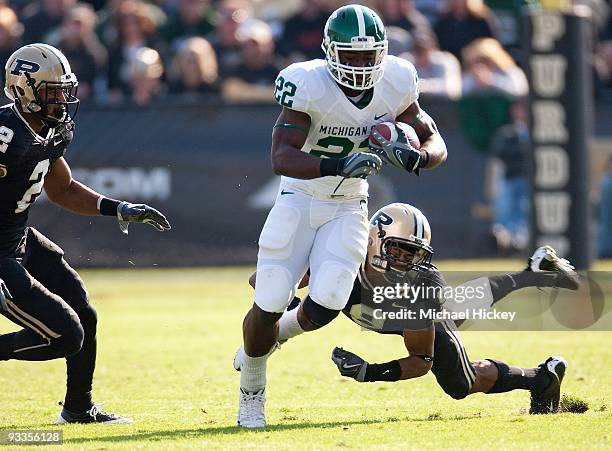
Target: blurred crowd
137,50
468,51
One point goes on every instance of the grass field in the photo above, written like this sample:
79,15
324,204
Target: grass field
167,339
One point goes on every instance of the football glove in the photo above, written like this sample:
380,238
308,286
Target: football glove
127,212
349,364
359,165
4,295
399,154
66,131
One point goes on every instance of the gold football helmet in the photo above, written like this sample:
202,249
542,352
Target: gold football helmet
40,82
399,241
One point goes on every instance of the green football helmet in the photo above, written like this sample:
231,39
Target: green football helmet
355,28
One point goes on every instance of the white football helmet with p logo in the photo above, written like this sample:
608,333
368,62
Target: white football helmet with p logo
40,81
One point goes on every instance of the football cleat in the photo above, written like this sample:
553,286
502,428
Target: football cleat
251,406
547,400
93,415
349,364
545,259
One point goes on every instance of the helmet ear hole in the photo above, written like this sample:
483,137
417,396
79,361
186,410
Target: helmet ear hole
20,90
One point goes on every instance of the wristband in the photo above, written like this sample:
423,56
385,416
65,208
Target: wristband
329,166
108,207
423,161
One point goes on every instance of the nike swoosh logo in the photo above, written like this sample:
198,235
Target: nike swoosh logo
350,367
55,143
283,192
378,117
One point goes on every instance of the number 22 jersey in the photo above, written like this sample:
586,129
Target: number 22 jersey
25,160
340,126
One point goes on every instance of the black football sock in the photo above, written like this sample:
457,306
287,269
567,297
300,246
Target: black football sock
503,285
388,372
80,366
513,378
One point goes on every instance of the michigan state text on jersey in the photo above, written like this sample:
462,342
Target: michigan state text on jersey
321,148
39,291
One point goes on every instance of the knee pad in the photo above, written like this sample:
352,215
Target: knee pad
332,285
273,288
317,314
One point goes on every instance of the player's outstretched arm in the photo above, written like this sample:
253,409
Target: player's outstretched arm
433,148
72,195
288,138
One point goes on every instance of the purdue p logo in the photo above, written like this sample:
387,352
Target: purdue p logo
24,66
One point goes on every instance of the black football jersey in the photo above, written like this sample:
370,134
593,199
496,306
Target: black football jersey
25,160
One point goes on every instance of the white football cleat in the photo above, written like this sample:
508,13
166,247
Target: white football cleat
545,259
251,414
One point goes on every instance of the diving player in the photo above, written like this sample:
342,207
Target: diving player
320,145
38,289
399,250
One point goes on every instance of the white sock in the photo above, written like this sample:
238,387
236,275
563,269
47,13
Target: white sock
253,371
288,325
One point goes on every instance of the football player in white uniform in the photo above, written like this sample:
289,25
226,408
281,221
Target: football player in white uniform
320,145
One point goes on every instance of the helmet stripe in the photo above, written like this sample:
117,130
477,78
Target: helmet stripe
419,223
360,20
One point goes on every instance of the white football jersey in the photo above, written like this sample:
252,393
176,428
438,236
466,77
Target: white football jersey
338,126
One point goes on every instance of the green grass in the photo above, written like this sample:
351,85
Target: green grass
167,339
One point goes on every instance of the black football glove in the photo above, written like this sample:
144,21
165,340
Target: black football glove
399,154
349,364
4,295
66,131
127,212
359,165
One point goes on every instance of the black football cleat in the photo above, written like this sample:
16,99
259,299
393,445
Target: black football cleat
546,401
93,415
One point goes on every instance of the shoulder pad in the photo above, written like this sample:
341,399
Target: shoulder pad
299,84
403,78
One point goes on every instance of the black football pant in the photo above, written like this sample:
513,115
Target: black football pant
48,299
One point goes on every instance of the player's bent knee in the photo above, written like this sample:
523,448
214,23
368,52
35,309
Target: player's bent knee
421,367
333,284
273,289
317,314
71,341
88,318
457,389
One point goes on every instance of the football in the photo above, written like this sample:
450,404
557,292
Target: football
391,130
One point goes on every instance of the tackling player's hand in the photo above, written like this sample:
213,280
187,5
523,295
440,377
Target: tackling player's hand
400,153
349,364
4,295
127,212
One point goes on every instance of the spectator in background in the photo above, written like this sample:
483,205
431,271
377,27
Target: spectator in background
144,69
10,33
253,80
40,18
400,40
439,72
194,69
135,30
605,213
77,40
106,27
230,15
303,33
510,147
463,22
488,68
191,18
403,14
